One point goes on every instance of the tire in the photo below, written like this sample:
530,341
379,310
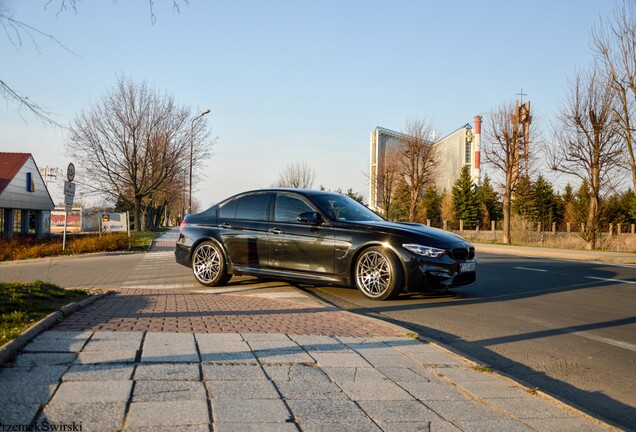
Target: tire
208,265
378,274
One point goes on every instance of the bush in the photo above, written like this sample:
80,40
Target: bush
25,247
105,243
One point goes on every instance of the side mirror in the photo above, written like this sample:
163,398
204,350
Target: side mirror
313,218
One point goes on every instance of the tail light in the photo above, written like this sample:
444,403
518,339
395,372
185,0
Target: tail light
182,225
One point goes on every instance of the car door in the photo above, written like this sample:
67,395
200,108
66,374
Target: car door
299,246
243,224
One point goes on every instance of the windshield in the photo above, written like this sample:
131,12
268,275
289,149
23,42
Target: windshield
343,208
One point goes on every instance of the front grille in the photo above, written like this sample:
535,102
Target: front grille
462,254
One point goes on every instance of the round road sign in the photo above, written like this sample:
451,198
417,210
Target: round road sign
70,172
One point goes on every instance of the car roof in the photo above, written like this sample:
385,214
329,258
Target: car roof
301,191
306,192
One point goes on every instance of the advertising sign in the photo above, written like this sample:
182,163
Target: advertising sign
114,222
73,218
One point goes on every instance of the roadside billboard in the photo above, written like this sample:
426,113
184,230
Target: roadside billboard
74,220
114,222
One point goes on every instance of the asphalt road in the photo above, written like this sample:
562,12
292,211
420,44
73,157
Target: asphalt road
565,327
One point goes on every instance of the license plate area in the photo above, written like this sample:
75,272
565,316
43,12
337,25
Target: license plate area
468,266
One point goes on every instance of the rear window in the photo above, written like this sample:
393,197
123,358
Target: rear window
228,210
252,207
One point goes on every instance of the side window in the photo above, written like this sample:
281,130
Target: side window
252,207
288,208
228,210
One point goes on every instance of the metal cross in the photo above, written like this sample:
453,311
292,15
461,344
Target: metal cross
522,94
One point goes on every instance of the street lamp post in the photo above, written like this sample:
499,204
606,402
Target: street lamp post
204,112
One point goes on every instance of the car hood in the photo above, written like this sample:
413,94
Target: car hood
417,233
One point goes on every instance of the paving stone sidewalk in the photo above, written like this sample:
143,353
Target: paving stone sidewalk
154,381
162,360
178,311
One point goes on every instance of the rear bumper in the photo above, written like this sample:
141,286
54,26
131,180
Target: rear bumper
182,255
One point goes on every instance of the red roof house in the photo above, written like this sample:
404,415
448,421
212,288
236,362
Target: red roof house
25,202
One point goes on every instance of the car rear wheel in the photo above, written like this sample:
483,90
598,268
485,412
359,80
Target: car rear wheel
378,275
208,265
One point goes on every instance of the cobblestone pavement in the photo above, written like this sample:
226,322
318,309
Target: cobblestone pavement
252,358
174,311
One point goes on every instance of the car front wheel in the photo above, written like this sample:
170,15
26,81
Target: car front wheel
208,265
378,275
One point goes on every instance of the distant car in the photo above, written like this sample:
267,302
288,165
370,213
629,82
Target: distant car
322,238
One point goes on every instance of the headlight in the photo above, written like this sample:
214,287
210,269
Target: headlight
426,251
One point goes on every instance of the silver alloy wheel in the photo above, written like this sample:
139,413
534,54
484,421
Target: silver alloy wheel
373,274
206,263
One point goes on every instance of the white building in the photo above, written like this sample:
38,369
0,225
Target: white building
459,148
25,202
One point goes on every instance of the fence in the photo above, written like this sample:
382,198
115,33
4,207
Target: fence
615,237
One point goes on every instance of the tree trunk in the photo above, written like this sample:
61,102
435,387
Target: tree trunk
413,207
150,217
138,213
592,223
506,218
158,215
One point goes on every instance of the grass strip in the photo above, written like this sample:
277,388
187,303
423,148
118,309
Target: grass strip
140,240
23,304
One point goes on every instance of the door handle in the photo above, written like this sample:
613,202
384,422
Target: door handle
275,230
225,225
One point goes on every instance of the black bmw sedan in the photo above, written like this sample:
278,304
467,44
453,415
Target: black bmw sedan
320,237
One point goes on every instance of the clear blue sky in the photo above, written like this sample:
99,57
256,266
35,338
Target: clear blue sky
296,80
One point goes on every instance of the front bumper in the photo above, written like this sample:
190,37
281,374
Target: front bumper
438,274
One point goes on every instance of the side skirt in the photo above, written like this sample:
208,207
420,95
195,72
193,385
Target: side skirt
288,275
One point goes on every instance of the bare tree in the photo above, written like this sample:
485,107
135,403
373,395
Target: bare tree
388,178
417,161
588,143
615,44
17,31
296,175
507,148
135,142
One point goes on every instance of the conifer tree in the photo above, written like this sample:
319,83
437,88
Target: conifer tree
490,204
523,201
399,210
465,199
433,203
546,208
628,204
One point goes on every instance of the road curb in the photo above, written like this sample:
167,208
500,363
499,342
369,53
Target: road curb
565,254
11,348
567,406
68,257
